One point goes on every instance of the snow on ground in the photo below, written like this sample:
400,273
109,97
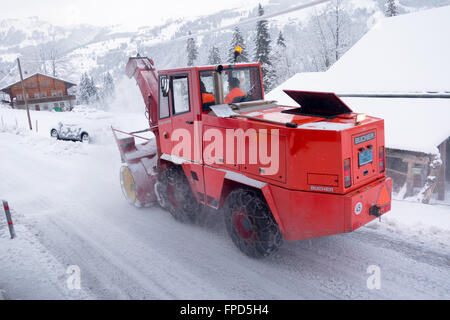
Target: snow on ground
28,267
69,210
419,221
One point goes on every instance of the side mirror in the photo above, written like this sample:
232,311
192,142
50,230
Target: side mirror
165,85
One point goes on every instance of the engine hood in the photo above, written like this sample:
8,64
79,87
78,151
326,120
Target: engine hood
321,104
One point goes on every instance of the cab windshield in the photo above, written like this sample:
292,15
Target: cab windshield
240,84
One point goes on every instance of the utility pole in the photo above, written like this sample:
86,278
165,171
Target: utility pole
24,95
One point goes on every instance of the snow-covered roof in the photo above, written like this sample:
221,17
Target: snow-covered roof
407,53
70,84
410,124
403,54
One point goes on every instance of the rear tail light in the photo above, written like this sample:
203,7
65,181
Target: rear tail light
347,173
382,160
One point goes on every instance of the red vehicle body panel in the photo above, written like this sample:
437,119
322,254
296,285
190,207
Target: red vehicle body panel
305,215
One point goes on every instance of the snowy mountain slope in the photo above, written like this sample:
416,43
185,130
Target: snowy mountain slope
15,33
96,50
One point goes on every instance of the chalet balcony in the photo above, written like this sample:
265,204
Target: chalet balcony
45,100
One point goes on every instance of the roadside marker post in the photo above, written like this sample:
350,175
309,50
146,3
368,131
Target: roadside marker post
9,220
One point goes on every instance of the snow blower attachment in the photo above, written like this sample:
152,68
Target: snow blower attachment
137,176
276,172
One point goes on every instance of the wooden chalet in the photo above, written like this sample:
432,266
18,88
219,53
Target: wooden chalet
43,92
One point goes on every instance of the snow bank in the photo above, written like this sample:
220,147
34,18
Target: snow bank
422,222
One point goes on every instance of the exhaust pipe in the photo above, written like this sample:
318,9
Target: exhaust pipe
218,85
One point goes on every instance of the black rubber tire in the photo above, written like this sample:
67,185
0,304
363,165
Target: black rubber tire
160,189
56,136
177,195
262,236
84,134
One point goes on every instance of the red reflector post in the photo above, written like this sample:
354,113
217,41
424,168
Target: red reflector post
9,219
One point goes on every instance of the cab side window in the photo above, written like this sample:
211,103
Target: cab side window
163,97
180,94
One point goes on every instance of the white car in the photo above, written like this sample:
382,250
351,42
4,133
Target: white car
73,132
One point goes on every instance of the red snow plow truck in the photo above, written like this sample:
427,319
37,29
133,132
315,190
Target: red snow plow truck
275,172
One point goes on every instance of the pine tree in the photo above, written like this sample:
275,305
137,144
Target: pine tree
281,64
214,56
88,92
262,52
281,42
391,8
237,40
192,51
108,87
92,91
336,25
83,89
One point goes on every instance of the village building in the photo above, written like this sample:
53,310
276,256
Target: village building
400,72
43,92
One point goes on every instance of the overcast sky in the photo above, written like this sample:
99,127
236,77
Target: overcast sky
109,12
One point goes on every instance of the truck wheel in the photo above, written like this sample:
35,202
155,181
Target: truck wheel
160,189
250,223
176,195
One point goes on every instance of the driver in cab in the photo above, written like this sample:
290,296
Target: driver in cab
235,91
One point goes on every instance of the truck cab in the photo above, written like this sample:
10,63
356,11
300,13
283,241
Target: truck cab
185,95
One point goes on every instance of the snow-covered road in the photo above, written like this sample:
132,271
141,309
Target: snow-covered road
67,199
